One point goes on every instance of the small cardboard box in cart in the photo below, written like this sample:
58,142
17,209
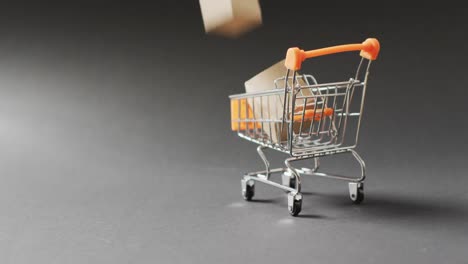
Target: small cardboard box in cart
270,107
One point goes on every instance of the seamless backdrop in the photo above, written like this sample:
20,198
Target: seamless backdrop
115,145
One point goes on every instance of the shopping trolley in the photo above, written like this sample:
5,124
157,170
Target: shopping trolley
305,120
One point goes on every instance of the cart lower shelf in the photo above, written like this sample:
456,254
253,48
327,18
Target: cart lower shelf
291,179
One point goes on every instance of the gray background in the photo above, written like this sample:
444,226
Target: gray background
115,144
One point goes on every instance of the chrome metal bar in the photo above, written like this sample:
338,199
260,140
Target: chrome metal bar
293,106
317,164
265,160
333,176
285,96
294,172
272,183
313,172
362,102
324,95
247,120
272,171
320,87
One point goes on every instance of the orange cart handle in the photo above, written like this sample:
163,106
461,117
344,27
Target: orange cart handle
295,56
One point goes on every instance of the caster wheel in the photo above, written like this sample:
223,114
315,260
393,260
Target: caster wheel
288,180
356,192
294,203
248,189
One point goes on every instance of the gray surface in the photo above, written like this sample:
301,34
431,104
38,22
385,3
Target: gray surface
102,162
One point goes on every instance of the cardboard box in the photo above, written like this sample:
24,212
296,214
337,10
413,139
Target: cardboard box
271,107
230,18
296,129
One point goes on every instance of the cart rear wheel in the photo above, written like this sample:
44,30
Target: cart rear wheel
294,203
288,180
356,192
248,189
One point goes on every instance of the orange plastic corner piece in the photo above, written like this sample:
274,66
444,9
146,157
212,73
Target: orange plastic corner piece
241,110
371,49
315,114
294,59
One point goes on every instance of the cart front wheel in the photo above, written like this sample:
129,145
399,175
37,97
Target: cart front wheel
294,203
248,189
356,192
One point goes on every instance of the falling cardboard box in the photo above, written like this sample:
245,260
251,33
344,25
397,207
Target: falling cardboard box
271,107
230,18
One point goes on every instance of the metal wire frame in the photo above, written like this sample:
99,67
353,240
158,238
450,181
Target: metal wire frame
324,136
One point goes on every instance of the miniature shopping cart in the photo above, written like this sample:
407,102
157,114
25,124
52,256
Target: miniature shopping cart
305,120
